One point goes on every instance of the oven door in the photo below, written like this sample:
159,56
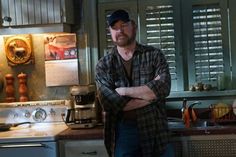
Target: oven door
29,149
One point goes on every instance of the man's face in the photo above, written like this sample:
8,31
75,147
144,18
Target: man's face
123,34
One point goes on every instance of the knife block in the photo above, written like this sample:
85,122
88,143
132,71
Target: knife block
23,90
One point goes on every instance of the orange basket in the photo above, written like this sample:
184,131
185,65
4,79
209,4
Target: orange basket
223,113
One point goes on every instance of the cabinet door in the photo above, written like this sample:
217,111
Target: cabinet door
82,148
31,12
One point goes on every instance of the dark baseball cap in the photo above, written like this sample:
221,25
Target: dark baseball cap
118,15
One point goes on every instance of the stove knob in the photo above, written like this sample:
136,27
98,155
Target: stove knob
27,114
39,115
15,115
52,112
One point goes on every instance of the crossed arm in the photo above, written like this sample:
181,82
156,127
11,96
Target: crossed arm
141,95
129,98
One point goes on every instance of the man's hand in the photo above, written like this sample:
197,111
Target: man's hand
121,91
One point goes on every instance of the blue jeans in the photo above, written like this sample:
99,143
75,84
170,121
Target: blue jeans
128,144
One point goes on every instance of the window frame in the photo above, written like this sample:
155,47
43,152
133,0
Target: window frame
178,84
189,42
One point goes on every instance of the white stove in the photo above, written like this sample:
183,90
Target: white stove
33,111
39,136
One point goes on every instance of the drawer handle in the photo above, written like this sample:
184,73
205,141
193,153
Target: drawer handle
22,145
90,153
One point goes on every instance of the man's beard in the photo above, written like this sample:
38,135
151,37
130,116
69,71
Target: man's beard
125,41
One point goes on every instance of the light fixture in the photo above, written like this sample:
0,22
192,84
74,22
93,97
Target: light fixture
7,19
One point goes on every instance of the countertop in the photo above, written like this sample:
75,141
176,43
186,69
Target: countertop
81,134
97,132
211,130
32,132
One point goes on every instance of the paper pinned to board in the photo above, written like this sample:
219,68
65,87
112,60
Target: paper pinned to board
61,60
62,72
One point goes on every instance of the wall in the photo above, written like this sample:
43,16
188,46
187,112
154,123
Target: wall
37,89
86,31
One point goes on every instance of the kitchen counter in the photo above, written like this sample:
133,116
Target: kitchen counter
32,132
197,141
211,130
97,132
81,134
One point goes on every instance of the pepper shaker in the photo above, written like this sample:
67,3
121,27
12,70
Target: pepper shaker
23,90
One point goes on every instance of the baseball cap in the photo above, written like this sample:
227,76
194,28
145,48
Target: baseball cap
118,15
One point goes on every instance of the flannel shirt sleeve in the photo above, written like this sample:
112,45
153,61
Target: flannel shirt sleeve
161,86
110,100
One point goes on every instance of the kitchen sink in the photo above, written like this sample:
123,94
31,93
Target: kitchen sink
175,123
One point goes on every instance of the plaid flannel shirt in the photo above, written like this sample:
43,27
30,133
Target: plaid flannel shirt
148,62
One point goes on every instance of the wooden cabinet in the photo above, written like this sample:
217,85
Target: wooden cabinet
36,12
82,148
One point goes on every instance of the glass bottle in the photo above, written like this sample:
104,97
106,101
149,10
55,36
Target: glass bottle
221,82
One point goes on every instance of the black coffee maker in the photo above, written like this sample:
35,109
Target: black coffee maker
83,112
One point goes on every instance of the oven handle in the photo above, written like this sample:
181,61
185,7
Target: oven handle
25,145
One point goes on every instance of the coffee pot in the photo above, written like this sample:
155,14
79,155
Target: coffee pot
83,111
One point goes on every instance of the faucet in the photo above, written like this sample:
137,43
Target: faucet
188,113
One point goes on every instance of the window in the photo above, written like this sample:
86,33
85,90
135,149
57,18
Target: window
161,32
208,53
159,27
208,45
192,34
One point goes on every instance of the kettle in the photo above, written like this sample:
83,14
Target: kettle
188,113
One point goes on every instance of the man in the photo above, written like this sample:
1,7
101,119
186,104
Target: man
133,81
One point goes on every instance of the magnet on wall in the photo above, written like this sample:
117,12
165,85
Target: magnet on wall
18,49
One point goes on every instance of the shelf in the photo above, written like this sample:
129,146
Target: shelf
202,94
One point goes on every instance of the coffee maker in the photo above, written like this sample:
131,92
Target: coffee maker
83,111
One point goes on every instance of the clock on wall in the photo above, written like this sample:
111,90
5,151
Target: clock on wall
18,49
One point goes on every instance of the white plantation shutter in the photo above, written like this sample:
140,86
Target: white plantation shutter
208,45
209,56
160,33
159,27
